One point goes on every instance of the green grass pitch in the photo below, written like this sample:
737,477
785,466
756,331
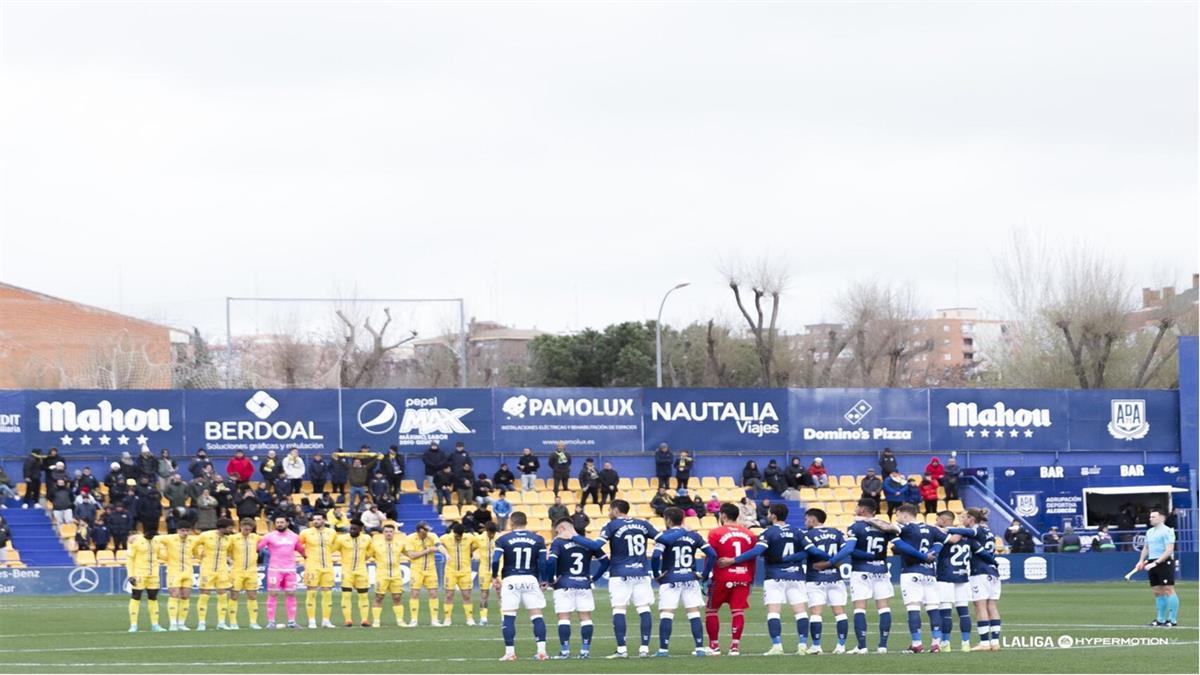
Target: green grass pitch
59,634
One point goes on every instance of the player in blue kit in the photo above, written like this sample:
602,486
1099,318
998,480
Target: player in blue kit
785,552
516,564
569,570
984,579
918,546
869,576
674,567
827,548
953,579
628,542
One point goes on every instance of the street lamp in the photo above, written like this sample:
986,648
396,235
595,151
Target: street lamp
658,334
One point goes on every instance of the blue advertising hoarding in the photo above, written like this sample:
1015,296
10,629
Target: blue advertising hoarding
12,409
1118,419
101,421
859,419
411,419
255,421
998,419
717,419
604,419
1189,398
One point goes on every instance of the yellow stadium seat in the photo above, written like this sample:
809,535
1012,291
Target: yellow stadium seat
709,483
548,498
844,494
592,510
955,505
915,476
537,511
624,484
408,486
808,494
85,558
641,483
540,484
846,481
122,556
691,522
941,492
67,530
105,558
726,482
643,511
573,484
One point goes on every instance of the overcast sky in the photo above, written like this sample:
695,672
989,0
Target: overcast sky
562,165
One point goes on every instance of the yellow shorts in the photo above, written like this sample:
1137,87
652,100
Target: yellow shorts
485,578
245,581
176,579
422,579
359,581
318,578
389,585
150,582
215,581
459,580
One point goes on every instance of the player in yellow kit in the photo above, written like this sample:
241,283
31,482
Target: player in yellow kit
142,566
388,553
459,550
212,550
173,550
243,554
355,550
487,546
420,547
318,539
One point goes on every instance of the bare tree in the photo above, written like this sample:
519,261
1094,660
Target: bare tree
359,364
766,280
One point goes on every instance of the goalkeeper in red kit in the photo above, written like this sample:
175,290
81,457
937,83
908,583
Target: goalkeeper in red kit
730,585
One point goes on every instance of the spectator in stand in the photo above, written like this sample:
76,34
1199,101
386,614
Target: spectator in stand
5,533
683,501
6,489
747,513
528,466
128,466
503,509
589,482
751,477
239,468
503,479
481,516
101,537
120,524
50,464
683,469
580,520
950,478
1103,541
379,487
1050,539
912,492
887,462
318,473
85,480
443,484
61,502
460,457
699,508
820,477
557,511
774,478
662,501
761,512
166,468
610,480
894,491
929,493
393,468
663,460
324,504
872,486
147,464
86,506
150,508
293,470
434,460
339,473
935,470
361,466
713,506
200,464
464,485
206,512
32,474
83,537
483,489
1070,541
797,476
282,486
269,468
248,505
1018,538
372,520
260,493
560,467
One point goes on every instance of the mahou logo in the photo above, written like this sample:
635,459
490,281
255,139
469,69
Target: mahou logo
57,416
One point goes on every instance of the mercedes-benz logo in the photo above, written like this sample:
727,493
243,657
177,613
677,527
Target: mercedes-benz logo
84,579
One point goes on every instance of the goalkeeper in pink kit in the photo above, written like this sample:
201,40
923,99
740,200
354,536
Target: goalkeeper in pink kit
282,546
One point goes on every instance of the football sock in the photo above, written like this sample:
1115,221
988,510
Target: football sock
585,635
434,603
251,610
202,608
134,608
347,606
697,629
222,607
619,629
469,610
737,625
483,613
509,631
564,635
290,602
539,633
173,610
184,605
327,605
152,605
814,628
713,623
310,604
860,627
272,602
364,605
1172,607
996,631
947,623
774,628
802,628
448,611
985,631
1160,606
935,624
665,624
843,628
646,623
914,625
377,613
885,626
964,623
414,608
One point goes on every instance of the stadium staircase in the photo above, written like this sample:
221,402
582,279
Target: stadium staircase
34,538
411,510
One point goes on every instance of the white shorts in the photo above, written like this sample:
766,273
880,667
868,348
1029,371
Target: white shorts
684,594
521,590
821,593
868,586
567,600
623,590
954,594
985,587
784,592
919,589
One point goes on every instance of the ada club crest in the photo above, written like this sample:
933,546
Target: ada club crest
1128,421
1026,505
